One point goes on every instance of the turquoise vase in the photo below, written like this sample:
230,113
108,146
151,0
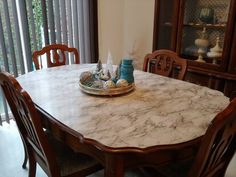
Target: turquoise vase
127,70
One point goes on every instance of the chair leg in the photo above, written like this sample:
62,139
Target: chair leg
25,151
32,167
151,172
26,157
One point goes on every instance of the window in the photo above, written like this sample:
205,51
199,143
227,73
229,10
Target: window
27,26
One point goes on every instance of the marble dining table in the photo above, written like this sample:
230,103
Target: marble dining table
159,112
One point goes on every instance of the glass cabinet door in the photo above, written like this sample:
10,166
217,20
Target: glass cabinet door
204,27
166,21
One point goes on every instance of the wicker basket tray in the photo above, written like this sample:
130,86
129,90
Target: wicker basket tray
107,92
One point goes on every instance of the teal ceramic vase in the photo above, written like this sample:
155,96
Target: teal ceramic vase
127,70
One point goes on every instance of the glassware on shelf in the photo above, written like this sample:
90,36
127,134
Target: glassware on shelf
206,15
202,43
215,52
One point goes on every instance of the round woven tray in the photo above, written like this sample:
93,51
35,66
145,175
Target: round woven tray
107,92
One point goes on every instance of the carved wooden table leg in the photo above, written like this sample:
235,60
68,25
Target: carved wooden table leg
114,166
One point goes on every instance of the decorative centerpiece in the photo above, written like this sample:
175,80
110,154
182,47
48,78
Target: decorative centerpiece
107,82
202,43
215,52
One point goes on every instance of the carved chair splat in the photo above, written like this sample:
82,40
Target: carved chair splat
55,55
165,63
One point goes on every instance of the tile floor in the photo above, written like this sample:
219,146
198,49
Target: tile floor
11,155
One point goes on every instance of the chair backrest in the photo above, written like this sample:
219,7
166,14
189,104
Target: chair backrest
165,63
28,123
55,54
218,145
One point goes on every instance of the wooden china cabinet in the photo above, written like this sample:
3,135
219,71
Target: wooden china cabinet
178,26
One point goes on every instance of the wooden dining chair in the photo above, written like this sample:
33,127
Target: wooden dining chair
165,63
232,95
55,158
217,148
56,55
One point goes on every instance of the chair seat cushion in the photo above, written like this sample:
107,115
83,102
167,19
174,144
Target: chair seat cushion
179,169
71,162
137,172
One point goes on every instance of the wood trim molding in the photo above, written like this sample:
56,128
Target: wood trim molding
155,27
93,7
216,74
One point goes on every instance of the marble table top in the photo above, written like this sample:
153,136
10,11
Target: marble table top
159,111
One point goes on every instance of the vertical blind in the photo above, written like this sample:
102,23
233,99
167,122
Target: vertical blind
28,25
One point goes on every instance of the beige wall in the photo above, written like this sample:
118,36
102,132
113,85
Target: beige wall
125,28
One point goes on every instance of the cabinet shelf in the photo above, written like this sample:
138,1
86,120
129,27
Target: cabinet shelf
209,61
208,26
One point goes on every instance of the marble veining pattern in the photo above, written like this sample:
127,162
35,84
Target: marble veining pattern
159,111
